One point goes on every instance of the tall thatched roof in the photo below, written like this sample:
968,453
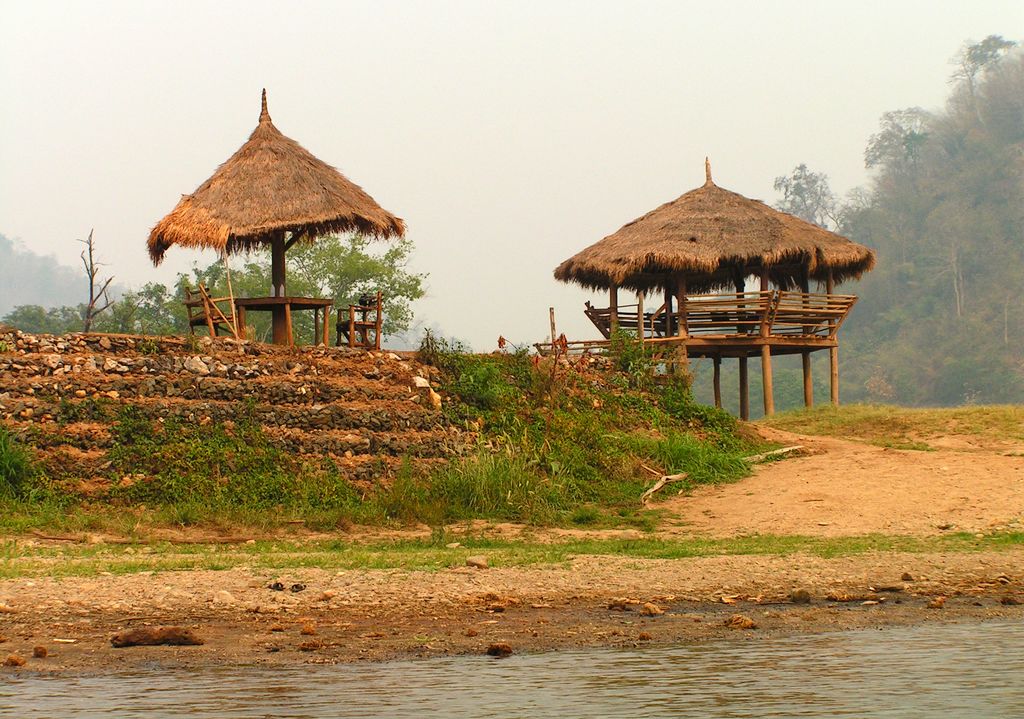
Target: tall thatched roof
709,236
270,184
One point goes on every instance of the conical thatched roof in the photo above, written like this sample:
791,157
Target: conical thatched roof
270,184
709,236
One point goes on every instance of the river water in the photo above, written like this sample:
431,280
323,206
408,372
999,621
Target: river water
949,671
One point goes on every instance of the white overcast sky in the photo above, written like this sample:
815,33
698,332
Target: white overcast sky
508,135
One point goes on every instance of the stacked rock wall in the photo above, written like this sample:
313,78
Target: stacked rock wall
365,410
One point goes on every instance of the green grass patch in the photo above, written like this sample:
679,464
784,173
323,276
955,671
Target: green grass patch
20,560
902,427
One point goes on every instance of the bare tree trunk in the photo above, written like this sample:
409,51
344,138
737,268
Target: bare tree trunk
92,270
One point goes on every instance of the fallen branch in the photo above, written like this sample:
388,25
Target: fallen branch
665,479
784,452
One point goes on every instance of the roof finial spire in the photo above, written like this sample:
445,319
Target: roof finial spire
264,115
707,172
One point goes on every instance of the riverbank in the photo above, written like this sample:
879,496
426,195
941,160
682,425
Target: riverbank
582,600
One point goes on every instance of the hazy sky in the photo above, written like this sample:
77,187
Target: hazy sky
507,135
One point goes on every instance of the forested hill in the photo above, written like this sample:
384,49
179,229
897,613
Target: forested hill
941,318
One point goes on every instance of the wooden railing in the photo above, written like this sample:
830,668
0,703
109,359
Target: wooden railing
767,314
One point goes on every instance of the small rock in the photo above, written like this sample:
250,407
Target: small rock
644,637
420,382
224,597
155,636
308,630
739,621
1009,601
435,399
311,646
499,650
105,343
80,393
937,603
453,545
40,652
478,561
196,366
651,610
800,596
907,577
471,632
13,660
326,595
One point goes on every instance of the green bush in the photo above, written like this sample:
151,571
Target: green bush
17,470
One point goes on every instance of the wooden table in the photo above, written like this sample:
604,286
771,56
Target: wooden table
284,306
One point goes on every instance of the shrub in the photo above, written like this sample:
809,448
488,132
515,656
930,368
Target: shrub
16,466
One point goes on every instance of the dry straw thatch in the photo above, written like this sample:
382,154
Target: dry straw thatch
710,237
271,184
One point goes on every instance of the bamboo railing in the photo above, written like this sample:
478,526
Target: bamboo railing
768,314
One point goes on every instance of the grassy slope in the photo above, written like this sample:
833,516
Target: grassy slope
558,445
902,427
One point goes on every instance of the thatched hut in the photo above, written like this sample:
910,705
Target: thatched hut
711,239
274,192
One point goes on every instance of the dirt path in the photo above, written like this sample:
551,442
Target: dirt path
850,488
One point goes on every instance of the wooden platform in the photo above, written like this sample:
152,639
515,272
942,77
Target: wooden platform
738,325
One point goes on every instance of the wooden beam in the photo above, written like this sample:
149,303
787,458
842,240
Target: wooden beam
669,291
551,319
744,390
833,352
718,382
281,334
296,236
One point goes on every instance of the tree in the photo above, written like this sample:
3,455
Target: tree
151,310
807,195
40,320
974,59
99,301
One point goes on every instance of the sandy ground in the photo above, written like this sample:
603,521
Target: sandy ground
841,488
847,488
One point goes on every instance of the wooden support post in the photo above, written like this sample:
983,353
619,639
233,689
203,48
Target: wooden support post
640,316
327,326
744,390
741,286
808,383
551,318
805,357
683,329
613,309
718,381
243,333
316,325
351,325
766,380
766,359
281,333
669,327
288,323
833,352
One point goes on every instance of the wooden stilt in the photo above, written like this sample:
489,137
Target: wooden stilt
766,360
327,326
641,320
744,390
766,381
808,384
833,352
682,330
288,323
281,332
551,318
613,307
805,357
669,324
718,382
